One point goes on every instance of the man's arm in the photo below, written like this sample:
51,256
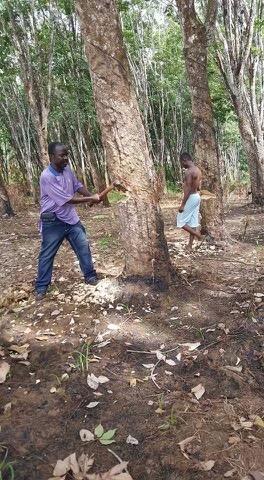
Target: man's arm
83,191
95,198
91,199
187,190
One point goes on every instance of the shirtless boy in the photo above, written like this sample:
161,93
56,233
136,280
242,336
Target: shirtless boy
188,216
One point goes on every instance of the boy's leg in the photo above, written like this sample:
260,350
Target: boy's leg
192,231
190,244
52,237
76,235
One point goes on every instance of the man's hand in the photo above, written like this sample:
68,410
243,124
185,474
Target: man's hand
181,209
94,199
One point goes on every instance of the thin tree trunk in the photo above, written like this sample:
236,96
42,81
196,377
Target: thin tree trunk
240,59
123,136
255,156
4,197
204,138
95,166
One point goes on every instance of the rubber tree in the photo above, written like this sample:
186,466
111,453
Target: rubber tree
124,141
197,35
4,197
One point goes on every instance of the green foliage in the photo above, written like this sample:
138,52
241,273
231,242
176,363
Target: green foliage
7,471
104,437
153,38
171,421
173,187
115,197
83,357
106,241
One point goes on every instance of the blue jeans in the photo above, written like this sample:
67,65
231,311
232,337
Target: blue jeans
54,231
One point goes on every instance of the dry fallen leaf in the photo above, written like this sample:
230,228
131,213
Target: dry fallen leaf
224,328
234,369
24,362
206,466
258,422
78,468
61,467
245,423
184,444
119,472
159,411
234,440
148,365
86,435
7,408
230,473
21,351
102,379
133,382
198,391
254,476
190,346
92,404
94,382
160,356
170,362
57,478
65,377
4,370
131,440
85,463
103,344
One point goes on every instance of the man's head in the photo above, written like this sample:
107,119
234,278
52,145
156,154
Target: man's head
186,160
58,155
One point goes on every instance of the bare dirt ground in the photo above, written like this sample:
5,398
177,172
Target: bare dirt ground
209,328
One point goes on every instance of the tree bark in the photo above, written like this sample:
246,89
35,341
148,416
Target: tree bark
94,165
254,149
4,197
123,136
40,117
204,139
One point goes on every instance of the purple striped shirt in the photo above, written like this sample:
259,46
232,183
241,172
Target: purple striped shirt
56,189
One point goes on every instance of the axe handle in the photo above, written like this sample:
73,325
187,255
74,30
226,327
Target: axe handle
106,191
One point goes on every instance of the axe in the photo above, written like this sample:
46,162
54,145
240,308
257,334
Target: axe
116,184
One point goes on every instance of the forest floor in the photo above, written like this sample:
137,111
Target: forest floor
209,327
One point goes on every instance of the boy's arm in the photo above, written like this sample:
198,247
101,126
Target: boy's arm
187,189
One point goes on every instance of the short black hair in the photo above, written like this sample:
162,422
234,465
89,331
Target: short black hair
52,147
185,157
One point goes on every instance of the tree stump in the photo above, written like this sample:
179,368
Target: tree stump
211,223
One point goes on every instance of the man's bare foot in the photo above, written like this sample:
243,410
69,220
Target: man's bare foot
188,248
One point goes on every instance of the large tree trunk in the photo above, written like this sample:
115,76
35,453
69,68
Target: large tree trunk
123,136
205,146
